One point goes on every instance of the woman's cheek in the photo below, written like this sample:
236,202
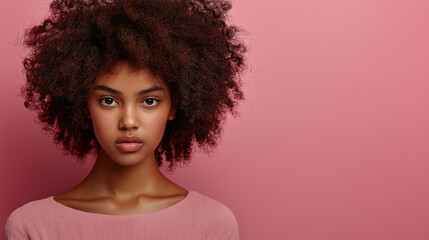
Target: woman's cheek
103,126
155,124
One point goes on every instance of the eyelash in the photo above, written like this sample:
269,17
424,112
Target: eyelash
156,101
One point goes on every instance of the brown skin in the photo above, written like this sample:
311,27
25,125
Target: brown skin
124,183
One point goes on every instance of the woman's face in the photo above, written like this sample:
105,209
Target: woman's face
129,102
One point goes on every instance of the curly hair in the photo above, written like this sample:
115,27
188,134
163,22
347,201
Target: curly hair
186,42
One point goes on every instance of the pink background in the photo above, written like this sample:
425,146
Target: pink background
332,142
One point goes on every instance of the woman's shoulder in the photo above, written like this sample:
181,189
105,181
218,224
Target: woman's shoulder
219,212
223,222
202,201
34,207
18,219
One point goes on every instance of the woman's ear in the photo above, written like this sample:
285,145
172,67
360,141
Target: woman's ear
172,114
86,113
174,104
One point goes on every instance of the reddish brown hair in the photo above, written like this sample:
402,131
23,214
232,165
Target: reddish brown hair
187,43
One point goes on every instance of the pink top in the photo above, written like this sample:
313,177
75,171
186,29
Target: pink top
195,217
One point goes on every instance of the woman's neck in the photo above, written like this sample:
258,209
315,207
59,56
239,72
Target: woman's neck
108,179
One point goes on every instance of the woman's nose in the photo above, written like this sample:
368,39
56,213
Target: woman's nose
129,118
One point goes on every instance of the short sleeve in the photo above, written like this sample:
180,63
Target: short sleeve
224,226
13,229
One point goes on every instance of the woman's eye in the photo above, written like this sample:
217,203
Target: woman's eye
150,102
108,101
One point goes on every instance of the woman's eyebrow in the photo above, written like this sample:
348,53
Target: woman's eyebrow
117,92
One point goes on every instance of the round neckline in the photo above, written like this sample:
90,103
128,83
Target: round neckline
76,211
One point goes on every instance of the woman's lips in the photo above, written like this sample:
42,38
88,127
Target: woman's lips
129,146
129,139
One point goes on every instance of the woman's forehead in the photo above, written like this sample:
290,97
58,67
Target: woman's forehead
124,71
125,80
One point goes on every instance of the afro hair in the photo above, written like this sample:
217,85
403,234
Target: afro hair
186,42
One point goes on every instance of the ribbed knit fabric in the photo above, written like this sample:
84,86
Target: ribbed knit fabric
195,217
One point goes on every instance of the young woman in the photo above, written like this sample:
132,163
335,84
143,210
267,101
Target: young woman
138,83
